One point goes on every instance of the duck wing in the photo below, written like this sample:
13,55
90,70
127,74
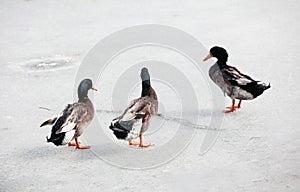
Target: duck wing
136,106
244,86
60,119
235,77
73,114
128,125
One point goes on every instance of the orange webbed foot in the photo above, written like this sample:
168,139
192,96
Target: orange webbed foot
142,145
134,143
78,146
146,145
235,107
82,147
230,109
72,144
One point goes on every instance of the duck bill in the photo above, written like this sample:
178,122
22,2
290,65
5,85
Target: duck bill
207,57
94,89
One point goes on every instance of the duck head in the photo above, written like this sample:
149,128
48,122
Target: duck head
83,88
145,74
219,53
146,84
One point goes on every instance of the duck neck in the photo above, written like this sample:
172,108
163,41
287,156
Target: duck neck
146,88
82,95
222,62
82,99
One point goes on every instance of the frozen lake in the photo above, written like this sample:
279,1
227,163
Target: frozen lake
257,148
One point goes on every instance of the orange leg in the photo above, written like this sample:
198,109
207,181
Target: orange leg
231,108
144,145
239,105
140,144
78,146
236,107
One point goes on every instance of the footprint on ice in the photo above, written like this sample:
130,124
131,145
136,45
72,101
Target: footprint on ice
45,64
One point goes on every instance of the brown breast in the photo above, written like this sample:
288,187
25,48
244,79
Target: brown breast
154,102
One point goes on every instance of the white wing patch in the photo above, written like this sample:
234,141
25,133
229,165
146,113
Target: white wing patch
238,77
243,81
67,127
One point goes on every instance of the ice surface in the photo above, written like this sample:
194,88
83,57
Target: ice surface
258,146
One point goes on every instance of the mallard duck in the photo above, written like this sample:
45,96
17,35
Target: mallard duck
232,82
136,118
74,118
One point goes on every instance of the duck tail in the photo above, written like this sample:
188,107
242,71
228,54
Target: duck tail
48,139
256,89
263,86
268,86
127,130
118,130
49,122
56,139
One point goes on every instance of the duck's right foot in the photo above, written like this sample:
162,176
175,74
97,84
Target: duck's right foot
235,107
146,145
230,109
82,147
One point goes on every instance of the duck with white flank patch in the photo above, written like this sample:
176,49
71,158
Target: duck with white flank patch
74,118
136,118
232,82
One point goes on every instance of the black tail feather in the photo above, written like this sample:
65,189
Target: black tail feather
256,89
49,122
57,139
119,131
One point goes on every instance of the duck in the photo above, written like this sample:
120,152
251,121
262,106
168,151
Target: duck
232,82
69,125
135,120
